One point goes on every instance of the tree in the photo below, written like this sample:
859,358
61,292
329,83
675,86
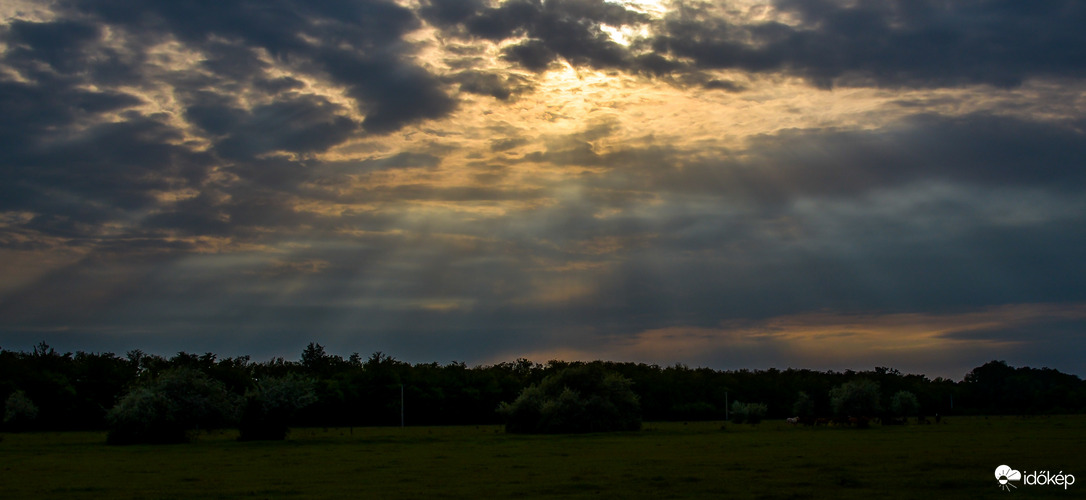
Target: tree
170,408
580,398
271,404
804,406
756,412
19,411
855,399
904,404
314,357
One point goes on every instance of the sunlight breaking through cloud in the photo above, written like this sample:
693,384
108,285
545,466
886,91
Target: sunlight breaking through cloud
628,179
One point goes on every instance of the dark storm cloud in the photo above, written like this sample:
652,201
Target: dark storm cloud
931,214
448,12
37,114
71,51
120,163
532,54
891,43
501,87
897,43
725,85
976,149
300,125
76,180
394,93
568,29
277,25
279,85
54,58
359,46
59,44
62,159
79,161
658,65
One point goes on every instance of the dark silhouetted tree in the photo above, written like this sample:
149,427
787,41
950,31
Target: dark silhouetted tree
856,398
579,398
751,413
804,406
74,391
904,404
272,403
170,408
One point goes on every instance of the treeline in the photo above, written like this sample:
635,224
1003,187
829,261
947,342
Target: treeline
44,389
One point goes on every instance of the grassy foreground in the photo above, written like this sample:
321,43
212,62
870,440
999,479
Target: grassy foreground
664,460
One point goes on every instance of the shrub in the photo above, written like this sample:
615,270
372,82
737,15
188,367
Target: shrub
524,414
170,408
577,399
855,399
904,404
756,412
19,411
738,412
271,404
804,406
751,413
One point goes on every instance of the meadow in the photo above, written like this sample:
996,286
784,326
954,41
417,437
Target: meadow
955,459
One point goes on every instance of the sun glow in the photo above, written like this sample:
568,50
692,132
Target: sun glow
626,35
653,8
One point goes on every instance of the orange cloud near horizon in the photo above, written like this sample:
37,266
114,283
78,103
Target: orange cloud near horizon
829,339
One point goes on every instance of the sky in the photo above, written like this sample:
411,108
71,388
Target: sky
824,184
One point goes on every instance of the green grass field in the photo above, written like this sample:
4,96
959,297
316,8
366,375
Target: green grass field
664,460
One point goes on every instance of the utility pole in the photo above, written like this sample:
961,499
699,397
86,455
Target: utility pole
401,406
725,405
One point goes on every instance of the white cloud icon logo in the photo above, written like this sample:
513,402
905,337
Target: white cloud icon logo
1005,474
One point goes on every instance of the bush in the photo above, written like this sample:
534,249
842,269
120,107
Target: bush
904,404
858,398
271,404
751,413
574,400
170,408
738,412
804,406
19,412
756,412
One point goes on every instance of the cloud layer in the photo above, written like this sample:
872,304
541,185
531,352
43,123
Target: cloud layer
833,184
